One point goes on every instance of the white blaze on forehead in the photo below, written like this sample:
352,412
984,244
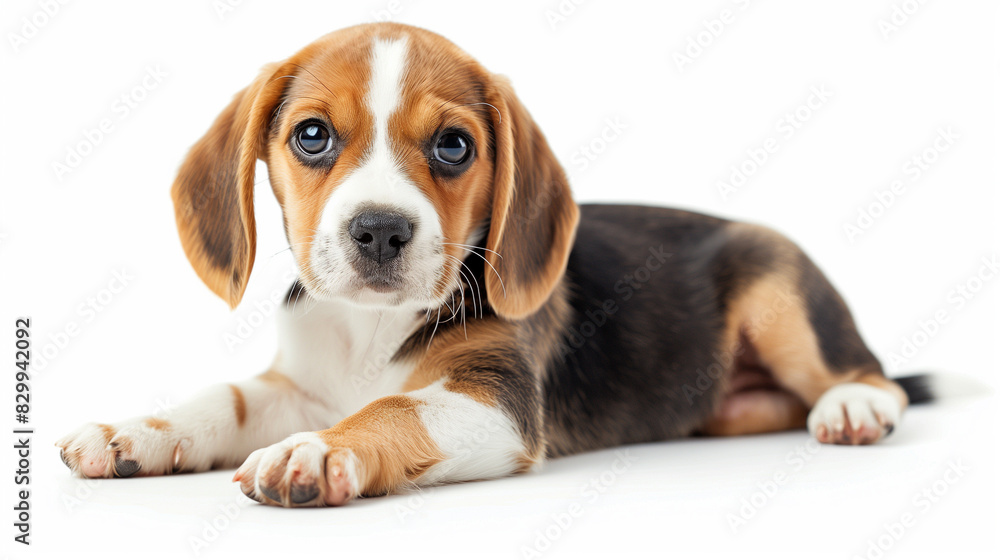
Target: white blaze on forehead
379,178
388,66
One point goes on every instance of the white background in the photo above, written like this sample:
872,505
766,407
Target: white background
163,337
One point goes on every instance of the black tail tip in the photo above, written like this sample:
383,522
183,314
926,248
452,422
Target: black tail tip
917,387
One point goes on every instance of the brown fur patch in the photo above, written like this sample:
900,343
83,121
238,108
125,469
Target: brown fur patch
239,405
390,442
157,424
277,379
467,361
108,431
525,464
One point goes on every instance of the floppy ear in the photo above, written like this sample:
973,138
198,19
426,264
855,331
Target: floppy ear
213,192
534,218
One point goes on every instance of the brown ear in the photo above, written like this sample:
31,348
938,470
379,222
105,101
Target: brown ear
213,192
534,218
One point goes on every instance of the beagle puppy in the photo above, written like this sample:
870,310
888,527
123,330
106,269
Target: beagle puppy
458,316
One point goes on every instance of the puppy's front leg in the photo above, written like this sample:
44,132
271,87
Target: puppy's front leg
456,429
217,429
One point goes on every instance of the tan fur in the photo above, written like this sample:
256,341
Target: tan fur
526,464
157,424
390,442
278,380
239,405
108,431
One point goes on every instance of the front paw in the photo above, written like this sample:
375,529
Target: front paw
149,446
300,471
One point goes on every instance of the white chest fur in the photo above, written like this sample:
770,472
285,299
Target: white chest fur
342,354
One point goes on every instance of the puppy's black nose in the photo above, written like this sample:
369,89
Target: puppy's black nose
380,235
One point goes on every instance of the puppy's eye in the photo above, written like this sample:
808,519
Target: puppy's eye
314,139
452,148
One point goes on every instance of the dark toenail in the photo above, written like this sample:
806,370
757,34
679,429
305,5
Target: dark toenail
271,493
889,428
62,455
301,494
125,467
252,495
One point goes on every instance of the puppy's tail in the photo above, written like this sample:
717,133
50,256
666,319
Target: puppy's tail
927,388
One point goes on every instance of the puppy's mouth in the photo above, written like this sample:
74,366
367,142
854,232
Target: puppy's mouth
380,282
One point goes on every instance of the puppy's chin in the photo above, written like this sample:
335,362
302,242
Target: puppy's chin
372,294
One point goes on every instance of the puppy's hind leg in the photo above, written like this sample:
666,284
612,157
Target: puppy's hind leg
803,335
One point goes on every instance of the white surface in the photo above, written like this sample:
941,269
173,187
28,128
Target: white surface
670,136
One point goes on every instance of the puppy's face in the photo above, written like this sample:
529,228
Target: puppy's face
380,153
393,154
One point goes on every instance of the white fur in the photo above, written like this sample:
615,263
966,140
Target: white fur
478,441
202,432
340,353
379,180
862,402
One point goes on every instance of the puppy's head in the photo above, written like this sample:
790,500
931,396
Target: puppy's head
393,154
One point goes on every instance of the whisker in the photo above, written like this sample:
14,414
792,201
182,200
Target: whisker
473,276
472,247
485,260
436,323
